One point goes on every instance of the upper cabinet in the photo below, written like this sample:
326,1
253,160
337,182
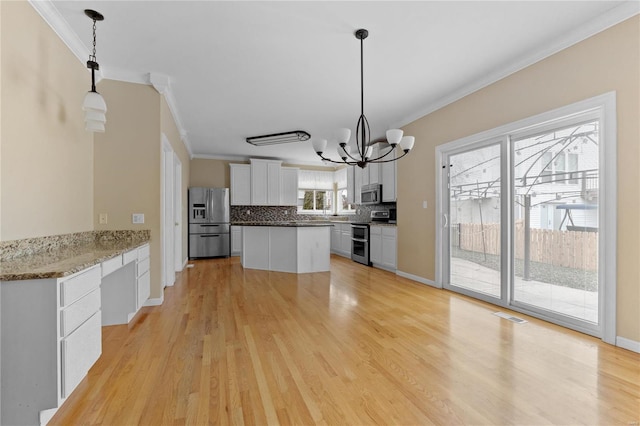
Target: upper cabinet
388,179
288,186
263,183
240,184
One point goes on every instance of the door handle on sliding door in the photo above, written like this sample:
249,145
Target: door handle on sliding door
446,220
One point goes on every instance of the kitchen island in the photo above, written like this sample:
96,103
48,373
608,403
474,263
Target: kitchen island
296,247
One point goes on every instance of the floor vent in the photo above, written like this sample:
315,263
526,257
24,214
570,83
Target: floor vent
190,265
510,317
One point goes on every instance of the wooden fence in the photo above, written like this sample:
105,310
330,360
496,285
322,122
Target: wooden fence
571,249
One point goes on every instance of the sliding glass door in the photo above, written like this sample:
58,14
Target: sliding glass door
474,221
556,221
521,223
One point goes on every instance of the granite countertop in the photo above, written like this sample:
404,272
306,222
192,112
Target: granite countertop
288,224
59,256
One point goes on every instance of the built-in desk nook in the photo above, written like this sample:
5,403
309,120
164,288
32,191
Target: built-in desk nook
56,294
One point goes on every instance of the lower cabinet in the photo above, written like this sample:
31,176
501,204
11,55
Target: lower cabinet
51,336
143,277
341,239
383,246
80,350
236,240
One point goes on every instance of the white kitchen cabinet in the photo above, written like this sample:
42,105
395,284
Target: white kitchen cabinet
288,186
383,246
236,240
51,336
335,238
389,247
296,249
265,182
388,179
341,239
357,183
143,280
240,176
375,244
374,168
345,239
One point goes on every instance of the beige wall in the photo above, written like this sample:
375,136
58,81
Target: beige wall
210,173
170,130
47,156
127,165
605,62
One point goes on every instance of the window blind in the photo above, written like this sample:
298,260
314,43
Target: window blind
315,179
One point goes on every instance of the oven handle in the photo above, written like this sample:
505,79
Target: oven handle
359,240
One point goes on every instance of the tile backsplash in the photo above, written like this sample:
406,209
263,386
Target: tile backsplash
286,213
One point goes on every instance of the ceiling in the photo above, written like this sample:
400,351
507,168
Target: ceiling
238,68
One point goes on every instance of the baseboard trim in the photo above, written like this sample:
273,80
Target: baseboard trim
417,279
155,302
628,344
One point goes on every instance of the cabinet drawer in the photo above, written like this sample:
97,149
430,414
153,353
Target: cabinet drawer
81,284
143,252
389,231
108,266
129,256
80,350
77,313
143,266
144,289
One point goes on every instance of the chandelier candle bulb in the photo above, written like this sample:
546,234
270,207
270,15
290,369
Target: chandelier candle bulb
394,136
343,136
319,145
406,143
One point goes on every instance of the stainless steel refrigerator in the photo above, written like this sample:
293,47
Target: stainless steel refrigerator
208,222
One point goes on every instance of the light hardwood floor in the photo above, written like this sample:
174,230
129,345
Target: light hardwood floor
355,346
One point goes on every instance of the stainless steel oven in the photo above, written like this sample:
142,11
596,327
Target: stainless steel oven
360,243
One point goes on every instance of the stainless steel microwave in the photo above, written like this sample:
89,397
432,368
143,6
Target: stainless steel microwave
371,194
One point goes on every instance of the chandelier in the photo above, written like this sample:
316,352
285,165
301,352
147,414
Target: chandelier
94,106
361,155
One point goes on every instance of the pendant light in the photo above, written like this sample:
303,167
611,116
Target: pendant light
363,149
94,106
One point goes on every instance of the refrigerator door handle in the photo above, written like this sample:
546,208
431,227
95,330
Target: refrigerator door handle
208,201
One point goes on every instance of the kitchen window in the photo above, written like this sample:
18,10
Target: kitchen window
315,192
342,201
315,201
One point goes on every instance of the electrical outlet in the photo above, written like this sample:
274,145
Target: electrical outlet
424,204
103,218
248,212
137,218
286,212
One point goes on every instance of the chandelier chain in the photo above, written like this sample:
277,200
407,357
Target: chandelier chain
93,56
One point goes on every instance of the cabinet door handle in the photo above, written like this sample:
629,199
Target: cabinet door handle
207,236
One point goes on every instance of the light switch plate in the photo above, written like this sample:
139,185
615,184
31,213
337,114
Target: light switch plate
137,218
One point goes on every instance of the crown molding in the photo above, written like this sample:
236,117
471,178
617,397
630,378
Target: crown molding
607,20
59,25
162,83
